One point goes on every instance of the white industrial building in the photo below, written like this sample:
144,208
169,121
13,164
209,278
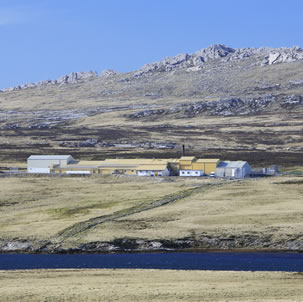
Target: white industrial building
191,173
44,163
233,169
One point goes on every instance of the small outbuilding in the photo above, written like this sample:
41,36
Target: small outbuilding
273,170
233,169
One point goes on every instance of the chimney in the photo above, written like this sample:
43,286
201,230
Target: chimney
183,150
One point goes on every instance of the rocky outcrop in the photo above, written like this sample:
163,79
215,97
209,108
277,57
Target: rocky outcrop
225,107
204,241
71,78
292,101
16,245
295,83
74,77
233,106
195,61
199,242
285,55
147,113
185,60
108,73
215,51
167,64
144,145
90,142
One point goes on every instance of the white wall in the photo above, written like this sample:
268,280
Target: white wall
152,173
191,173
43,165
38,170
77,172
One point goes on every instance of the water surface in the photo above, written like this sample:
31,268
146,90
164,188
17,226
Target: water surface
289,262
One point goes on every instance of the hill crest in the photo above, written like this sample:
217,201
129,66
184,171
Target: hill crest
196,61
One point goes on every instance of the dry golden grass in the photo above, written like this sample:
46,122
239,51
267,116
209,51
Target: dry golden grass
254,206
39,208
149,285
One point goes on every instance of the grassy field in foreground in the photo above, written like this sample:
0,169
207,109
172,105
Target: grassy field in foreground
40,208
254,206
149,285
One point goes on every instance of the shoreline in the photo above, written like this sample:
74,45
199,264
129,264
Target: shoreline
205,244
159,251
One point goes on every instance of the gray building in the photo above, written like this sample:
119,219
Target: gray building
43,163
273,170
233,169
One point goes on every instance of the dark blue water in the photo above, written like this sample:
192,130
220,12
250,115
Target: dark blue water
291,262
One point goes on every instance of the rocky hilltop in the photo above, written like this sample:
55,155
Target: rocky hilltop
194,62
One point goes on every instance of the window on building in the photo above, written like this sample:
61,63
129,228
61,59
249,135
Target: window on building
188,172
197,172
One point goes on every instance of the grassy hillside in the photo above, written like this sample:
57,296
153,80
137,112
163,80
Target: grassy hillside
80,213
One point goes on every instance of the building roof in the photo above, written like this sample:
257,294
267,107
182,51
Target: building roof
90,162
232,164
151,167
50,157
188,158
136,161
186,170
173,160
208,160
117,166
80,165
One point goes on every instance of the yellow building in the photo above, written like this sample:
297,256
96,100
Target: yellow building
207,165
148,167
119,166
137,166
186,162
80,167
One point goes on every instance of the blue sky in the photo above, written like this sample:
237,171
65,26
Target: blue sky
44,39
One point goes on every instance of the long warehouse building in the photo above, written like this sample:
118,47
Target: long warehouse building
44,163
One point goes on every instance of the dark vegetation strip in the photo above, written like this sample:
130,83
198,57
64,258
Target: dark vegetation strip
290,182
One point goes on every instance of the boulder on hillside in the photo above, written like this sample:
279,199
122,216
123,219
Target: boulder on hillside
107,73
74,77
